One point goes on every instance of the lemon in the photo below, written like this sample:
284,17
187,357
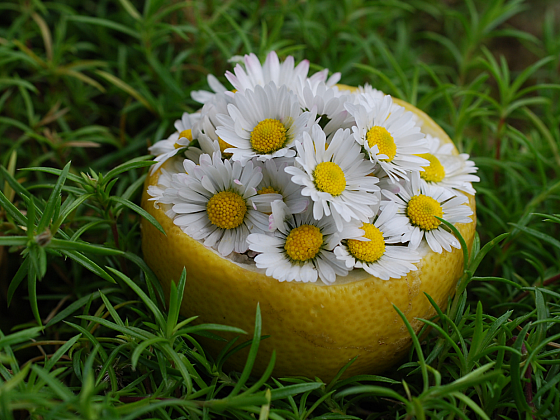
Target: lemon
314,329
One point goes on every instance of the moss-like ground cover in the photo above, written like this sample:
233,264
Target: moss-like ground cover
85,87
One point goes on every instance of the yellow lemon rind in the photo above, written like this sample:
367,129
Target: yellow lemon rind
314,329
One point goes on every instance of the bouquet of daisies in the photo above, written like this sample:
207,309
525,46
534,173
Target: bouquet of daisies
307,180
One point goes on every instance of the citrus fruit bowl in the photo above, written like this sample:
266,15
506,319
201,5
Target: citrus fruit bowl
315,329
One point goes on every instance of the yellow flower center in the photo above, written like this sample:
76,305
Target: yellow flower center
224,146
226,210
268,136
184,133
304,242
384,140
368,251
268,190
435,171
328,177
421,211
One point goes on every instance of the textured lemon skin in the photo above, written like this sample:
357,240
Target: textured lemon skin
314,329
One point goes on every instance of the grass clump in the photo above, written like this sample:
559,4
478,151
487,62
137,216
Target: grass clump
85,86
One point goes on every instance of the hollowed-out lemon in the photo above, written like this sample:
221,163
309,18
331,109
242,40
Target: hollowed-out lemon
315,329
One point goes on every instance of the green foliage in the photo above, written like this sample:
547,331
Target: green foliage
86,86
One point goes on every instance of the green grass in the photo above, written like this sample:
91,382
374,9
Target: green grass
86,86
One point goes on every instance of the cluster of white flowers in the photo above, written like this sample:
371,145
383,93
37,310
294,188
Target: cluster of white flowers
307,179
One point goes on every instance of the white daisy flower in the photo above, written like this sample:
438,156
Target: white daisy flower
322,76
446,169
328,101
217,202
421,203
367,90
209,122
389,135
263,123
335,176
163,193
277,181
156,191
383,255
203,96
179,141
301,249
254,74
375,95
